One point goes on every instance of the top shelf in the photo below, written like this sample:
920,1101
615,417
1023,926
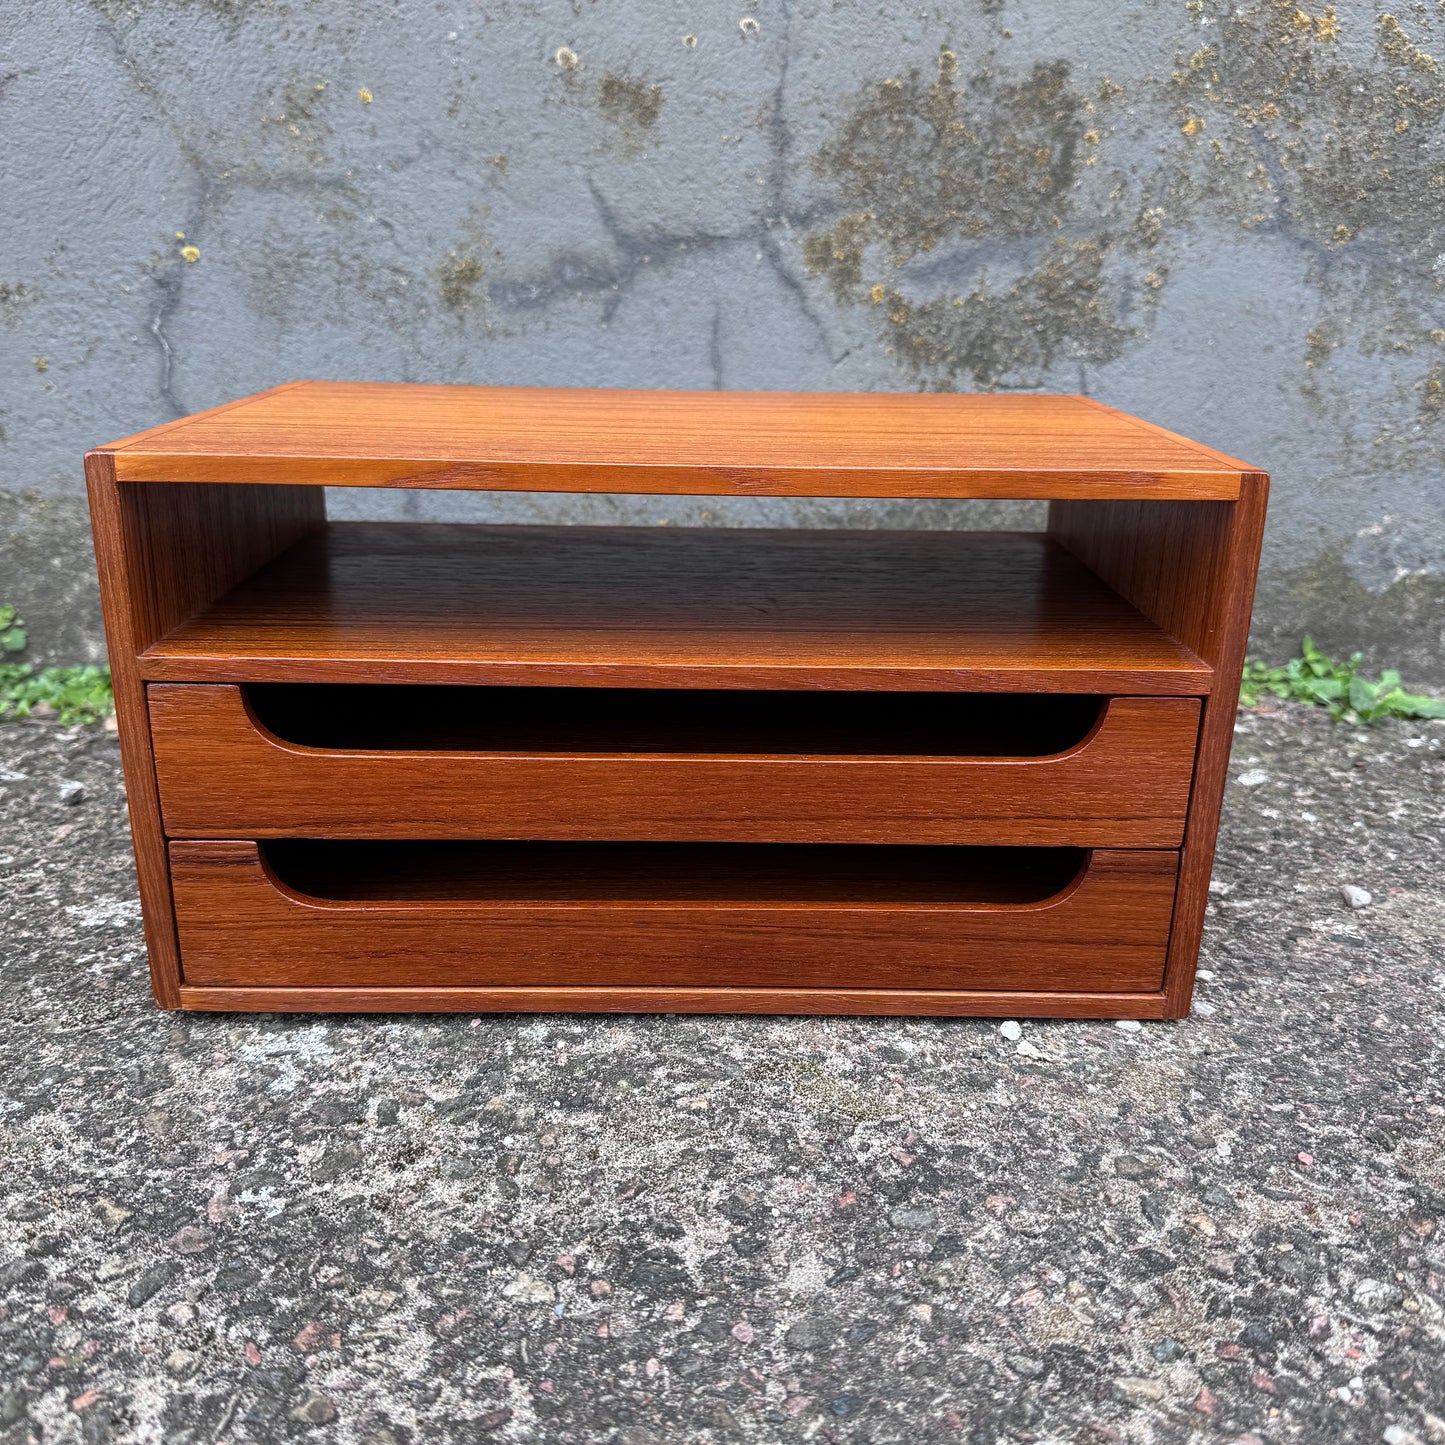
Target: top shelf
369,434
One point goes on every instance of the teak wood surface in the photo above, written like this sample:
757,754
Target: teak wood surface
713,443
1192,569
240,926
678,607
162,554
203,524
222,774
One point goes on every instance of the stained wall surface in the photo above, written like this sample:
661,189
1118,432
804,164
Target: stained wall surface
1228,218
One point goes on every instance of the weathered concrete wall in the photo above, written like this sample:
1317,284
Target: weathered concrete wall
1228,218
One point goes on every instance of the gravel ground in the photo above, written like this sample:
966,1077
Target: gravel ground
239,1229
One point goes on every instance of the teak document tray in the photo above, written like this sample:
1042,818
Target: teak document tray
380,766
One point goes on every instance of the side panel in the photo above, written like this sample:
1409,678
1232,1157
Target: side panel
162,553
1191,567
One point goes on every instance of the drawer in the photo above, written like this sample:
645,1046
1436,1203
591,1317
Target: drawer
378,914
656,765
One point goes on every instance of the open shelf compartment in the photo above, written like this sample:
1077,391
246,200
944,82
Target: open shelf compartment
673,607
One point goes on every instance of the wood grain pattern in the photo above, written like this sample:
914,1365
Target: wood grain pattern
222,774
1168,560
162,553
1238,572
115,559
239,926
880,1002
190,544
1192,568
678,607
716,443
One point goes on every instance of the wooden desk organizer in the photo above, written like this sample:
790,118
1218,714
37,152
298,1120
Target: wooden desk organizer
408,766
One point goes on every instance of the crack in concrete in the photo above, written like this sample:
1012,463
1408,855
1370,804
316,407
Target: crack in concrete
639,250
170,282
636,251
715,355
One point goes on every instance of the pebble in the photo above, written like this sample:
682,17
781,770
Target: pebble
1136,1387
72,793
1127,1166
1356,897
1011,1029
1253,778
182,1362
1398,1435
1204,1010
1128,1026
315,1409
150,1284
528,1289
909,1216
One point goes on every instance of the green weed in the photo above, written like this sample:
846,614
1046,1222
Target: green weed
12,634
1314,677
74,694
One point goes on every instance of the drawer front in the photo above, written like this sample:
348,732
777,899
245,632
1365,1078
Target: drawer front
222,774
241,925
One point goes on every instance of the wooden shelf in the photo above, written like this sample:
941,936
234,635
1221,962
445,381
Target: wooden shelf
668,607
514,438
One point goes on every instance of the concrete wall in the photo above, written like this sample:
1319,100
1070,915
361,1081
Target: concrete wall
1229,218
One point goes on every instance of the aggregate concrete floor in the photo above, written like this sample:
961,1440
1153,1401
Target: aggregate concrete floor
675,1230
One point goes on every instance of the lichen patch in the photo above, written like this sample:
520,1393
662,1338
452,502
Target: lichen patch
631,106
459,282
961,224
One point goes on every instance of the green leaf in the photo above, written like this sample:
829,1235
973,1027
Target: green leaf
12,639
1315,677
1362,695
1409,705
